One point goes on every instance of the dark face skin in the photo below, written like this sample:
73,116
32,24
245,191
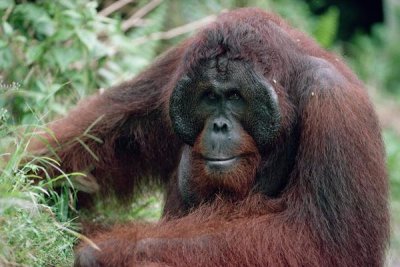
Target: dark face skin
227,113
226,89
223,106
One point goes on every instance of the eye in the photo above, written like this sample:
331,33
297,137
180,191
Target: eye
234,95
211,95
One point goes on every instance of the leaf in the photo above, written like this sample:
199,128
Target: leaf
64,56
44,26
327,27
72,17
4,4
34,52
3,44
89,39
63,34
36,17
7,28
6,58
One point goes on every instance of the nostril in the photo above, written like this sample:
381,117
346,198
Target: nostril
224,127
216,127
220,126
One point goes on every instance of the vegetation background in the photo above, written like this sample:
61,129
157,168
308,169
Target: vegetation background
55,52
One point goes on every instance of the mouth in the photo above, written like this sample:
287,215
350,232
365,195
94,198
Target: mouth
220,164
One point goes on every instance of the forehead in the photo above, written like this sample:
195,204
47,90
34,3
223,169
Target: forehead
222,70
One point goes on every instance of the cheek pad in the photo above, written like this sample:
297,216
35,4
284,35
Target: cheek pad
262,119
182,105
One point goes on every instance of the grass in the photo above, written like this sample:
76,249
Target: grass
35,238
38,224
31,232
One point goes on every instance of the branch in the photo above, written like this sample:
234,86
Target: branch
135,18
114,7
175,31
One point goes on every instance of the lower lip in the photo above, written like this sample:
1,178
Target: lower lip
219,165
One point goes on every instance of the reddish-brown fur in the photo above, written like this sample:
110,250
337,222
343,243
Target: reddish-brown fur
332,212
239,180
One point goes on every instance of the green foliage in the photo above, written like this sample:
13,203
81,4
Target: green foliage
31,232
392,142
60,51
33,239
326,29
377,58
